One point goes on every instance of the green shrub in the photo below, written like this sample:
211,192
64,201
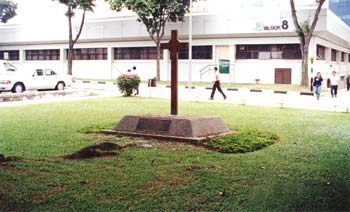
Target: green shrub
128,83
242,141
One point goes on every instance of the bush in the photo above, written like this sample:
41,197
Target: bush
128,83
242,141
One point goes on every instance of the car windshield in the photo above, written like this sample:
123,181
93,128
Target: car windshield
9,67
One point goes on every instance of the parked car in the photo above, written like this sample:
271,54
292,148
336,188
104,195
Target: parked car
17,81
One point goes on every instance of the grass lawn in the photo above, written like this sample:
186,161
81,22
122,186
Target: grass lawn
307,170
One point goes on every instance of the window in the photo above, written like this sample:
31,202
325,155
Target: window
9,67
90,54
202,52
136,53
334,55
49,72
342,57
12,54
321,52
39,72
198,53
45,54
348,58
267,52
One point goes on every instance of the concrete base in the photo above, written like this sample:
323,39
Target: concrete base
194,128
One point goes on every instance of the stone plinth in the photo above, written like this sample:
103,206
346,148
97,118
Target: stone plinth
171,126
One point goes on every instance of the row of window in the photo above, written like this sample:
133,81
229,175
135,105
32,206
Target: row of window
133,53
266,52
90,54
263,52
321,54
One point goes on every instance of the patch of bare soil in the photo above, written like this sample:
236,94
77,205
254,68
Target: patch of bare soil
104,149
6,206
4,159
170,181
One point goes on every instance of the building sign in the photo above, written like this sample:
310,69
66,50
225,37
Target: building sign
260,26
224,66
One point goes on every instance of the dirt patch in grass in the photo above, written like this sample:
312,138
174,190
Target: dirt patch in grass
170,181
4,159
104,149
6,206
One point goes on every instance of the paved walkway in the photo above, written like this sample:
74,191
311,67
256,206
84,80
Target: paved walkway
201,94
265,98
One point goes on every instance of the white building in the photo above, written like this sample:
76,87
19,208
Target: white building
257,37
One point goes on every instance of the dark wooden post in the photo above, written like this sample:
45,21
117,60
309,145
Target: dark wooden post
173,46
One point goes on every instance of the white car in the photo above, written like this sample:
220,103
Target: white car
39,79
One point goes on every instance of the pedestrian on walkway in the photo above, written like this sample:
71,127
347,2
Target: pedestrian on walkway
318,84
334,84
216,85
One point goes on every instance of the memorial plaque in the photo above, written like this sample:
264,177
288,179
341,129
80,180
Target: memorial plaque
160,125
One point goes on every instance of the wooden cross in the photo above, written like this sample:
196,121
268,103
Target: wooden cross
174,46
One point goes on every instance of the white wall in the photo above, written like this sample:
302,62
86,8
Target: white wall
249,70
213,29
240,23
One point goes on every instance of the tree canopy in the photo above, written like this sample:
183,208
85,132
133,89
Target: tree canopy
79,4
154,14
7,10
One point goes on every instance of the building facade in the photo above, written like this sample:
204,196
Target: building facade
257,38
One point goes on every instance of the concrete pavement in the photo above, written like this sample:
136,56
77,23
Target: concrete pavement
264,98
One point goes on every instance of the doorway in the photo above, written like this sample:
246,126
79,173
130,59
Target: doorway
283,76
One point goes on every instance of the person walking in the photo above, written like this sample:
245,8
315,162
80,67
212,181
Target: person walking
216,85
317,85
334,84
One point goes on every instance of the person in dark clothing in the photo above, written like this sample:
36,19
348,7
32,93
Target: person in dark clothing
318,84
216,85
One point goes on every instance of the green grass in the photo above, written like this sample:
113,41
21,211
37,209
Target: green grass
307,170
242,141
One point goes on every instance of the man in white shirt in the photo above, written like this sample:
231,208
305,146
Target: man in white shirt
216,85
334,84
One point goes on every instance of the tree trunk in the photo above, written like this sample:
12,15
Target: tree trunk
70,58
305,67
158,60
305,39
70,43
